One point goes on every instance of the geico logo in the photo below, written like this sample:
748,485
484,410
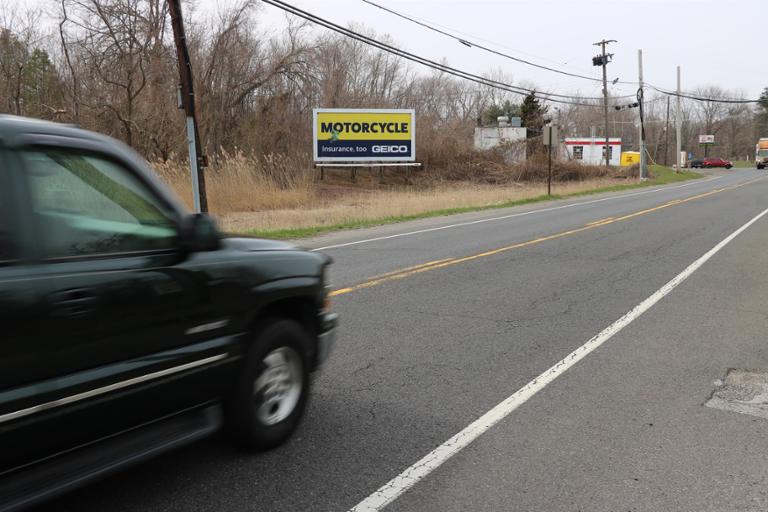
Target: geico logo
389,149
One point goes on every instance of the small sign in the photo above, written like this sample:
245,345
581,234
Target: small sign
706,139
551,135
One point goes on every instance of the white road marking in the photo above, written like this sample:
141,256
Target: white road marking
408,478
502,217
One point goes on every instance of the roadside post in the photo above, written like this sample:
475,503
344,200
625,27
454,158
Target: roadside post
550,137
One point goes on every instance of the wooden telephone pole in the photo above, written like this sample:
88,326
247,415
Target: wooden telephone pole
603,60
187,102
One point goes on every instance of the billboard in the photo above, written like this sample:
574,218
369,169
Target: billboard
706,139
364,135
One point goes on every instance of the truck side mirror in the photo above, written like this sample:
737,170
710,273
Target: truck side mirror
199,233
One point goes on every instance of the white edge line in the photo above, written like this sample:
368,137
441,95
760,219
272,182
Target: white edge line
408,478
521,214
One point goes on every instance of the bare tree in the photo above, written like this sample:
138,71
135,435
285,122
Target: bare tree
113,39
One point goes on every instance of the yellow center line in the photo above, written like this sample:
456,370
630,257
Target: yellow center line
389,276
406,269
601,221
417,269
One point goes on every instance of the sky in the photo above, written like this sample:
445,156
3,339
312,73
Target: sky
716,42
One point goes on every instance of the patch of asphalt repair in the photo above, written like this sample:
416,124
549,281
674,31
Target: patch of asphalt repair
742,391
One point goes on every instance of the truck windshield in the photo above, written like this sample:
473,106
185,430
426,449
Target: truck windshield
762,153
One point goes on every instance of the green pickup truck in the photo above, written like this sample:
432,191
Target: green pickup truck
130,326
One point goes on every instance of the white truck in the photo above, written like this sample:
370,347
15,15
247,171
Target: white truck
761,153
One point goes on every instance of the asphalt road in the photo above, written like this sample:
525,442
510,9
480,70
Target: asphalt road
426,350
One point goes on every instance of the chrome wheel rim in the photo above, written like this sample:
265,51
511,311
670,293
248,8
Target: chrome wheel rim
277,390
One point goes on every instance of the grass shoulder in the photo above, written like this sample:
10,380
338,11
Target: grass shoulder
661,176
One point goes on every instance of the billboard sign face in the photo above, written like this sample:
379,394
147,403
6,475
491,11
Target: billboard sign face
364,135
706,139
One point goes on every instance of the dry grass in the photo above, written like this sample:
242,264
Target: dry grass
276,192
357,206
238,182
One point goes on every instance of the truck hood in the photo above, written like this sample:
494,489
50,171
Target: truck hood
256,244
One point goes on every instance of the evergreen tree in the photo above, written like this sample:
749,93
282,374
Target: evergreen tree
493,112
532,114
29,83
761,114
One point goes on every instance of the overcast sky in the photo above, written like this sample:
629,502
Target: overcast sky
715,41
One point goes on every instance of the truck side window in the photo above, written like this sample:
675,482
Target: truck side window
89,205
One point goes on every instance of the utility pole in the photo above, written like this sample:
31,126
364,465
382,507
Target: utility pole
187,102
602,60
678,123
549,139
640,92
666,138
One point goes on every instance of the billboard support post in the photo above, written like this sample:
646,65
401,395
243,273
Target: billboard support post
706,141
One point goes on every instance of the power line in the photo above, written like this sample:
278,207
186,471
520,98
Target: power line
423,61
415,58
693,96
498,44
471,44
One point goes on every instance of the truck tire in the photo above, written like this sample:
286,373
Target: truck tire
272,389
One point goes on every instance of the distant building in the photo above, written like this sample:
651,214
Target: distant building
591,150
512,137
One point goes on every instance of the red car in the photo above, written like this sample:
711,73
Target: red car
710,163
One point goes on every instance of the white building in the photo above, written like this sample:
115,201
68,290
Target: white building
489,137
591,150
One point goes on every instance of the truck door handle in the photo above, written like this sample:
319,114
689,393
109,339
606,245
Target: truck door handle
74,303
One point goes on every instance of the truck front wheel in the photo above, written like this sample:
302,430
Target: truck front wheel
273,387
